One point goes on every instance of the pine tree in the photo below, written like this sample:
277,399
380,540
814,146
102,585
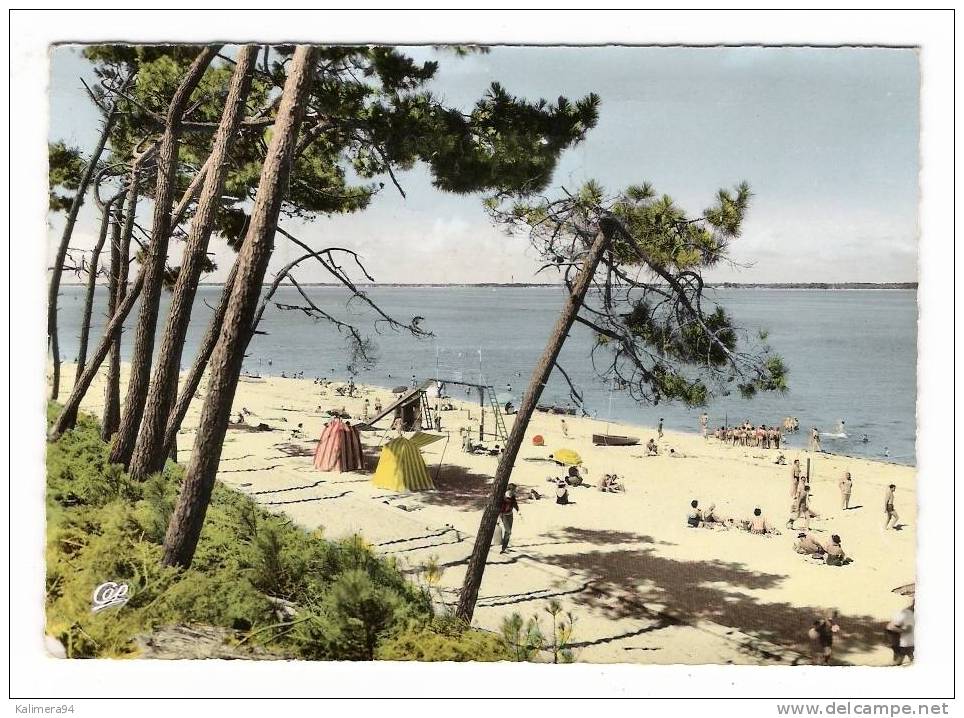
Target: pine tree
639,259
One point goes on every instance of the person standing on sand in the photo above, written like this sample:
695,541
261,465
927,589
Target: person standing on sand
814,439
704,422
509,504
795,480
890,513
821,638
366,409
659,428
901,630
565,428
846,486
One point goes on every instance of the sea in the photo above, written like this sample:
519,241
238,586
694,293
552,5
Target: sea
851,354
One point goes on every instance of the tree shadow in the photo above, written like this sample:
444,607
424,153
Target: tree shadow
459,488
624,579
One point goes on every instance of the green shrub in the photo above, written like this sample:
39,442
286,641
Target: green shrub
103,526
435,642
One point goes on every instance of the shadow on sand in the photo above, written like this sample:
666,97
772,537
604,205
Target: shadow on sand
624,577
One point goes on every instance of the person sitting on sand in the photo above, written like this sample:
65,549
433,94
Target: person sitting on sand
758,524
846,485
835,552
710,517
651,448
695,517
807,545
562,493
611,484
781,460
573,478
674,454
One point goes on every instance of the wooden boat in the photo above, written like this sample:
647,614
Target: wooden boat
614,440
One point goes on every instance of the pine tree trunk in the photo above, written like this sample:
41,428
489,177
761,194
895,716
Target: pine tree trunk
154,261
149,455
540,375
58,269
111,417
188,518
193,379
92,287
68,416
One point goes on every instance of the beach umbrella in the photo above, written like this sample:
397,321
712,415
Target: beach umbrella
566,456
908,589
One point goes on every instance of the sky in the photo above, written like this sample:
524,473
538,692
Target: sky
826,137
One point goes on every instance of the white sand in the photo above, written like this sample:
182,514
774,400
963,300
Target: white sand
614,560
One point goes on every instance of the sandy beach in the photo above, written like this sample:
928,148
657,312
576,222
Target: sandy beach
641,585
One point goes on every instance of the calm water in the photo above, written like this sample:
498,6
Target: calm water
852,354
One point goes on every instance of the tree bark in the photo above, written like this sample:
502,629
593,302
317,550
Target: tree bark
105,222
188,518
193,379
111,417
68,416
540,375
154,261
58,268
149,455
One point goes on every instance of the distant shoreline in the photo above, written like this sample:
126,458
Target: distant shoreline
710,285
819,286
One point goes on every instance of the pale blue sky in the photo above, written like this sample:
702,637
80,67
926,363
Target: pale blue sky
827,139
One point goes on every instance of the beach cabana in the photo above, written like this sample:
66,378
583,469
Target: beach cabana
401,467
339,448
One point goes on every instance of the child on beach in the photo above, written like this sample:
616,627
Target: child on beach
846,486
651,448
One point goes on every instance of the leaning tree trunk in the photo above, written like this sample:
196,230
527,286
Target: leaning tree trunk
105,222
154,261
193,379
58,269
149,455
188,518
68,415
111,417
540,375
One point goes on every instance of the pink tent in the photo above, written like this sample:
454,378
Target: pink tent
339,448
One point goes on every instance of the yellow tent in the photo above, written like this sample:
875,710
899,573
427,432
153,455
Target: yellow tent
401,467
